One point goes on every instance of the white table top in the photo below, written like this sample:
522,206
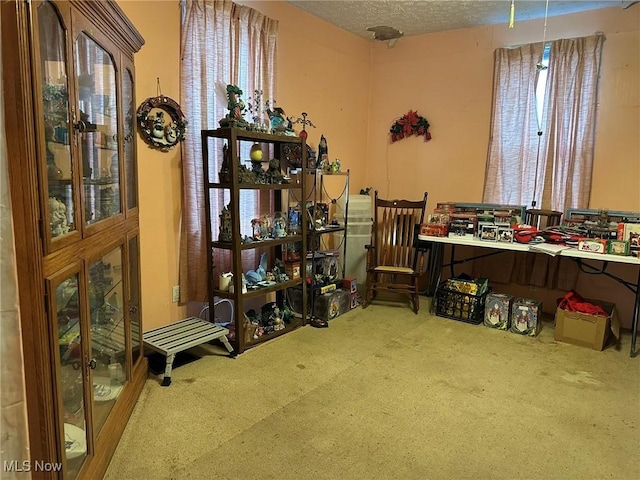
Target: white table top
548,248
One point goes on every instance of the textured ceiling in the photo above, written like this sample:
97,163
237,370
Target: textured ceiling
427,16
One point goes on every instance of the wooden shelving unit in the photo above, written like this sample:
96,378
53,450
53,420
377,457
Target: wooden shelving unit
232,246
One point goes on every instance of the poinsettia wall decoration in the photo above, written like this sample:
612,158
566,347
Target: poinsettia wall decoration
410,124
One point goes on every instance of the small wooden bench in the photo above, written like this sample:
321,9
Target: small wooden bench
179,336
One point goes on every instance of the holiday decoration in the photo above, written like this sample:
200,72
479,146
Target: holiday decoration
410,124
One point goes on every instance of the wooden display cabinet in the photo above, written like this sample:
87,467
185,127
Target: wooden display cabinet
68,69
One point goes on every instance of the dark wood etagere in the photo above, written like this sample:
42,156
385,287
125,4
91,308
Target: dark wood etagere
279,189
68,68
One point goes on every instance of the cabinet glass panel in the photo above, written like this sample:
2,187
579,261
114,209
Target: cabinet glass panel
129,150
71,373
99,130
134,302
107,333
55,102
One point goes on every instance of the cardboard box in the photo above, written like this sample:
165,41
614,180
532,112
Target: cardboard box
586,330
353,299
350,284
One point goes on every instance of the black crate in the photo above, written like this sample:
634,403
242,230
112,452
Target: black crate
464,307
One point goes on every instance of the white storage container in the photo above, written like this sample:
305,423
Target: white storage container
358,228
358,235
356,265
360,208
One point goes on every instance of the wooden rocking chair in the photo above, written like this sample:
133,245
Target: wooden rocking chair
394,262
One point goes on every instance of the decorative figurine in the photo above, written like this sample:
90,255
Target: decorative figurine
277,119
280,123
279,225
295,219
224,175
304,122
323,153
158,124
225,234
335,166
273,174
58,217
256,111
236,108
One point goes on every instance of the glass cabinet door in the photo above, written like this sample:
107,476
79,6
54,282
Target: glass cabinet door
129,110
98,128
71,372
134,299
106,306
55,117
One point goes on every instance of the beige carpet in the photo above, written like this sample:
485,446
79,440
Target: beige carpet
386,394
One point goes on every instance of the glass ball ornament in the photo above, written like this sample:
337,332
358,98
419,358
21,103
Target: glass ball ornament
255,154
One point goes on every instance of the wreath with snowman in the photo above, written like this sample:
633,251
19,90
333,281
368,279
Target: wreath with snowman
161,122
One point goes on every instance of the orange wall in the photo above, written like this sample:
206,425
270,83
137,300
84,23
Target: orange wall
447,77
323,71
159,174
353,90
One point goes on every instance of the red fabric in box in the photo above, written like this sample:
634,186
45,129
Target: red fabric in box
573,302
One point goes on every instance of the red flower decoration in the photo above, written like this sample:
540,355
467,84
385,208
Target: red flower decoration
410,124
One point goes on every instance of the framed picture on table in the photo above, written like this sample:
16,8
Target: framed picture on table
505,235
489,233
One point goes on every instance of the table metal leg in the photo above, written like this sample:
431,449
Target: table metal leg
634,323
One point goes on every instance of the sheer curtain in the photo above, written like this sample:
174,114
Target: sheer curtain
553,169
221,43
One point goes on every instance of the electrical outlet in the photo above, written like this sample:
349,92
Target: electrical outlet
175,294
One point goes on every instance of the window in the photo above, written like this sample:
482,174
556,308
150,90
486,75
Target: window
221,43
551,170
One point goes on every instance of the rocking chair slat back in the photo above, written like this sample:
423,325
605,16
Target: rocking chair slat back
394,236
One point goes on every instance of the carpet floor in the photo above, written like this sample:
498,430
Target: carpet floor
386,394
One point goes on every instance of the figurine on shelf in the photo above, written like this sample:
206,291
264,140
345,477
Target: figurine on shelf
335,166
261,227
256,112
273,175
58,217
225,234
236,107
280,123
304,121
225,169
323,154
279,225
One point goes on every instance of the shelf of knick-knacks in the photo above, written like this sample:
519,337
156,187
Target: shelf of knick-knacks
327,208
250,186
